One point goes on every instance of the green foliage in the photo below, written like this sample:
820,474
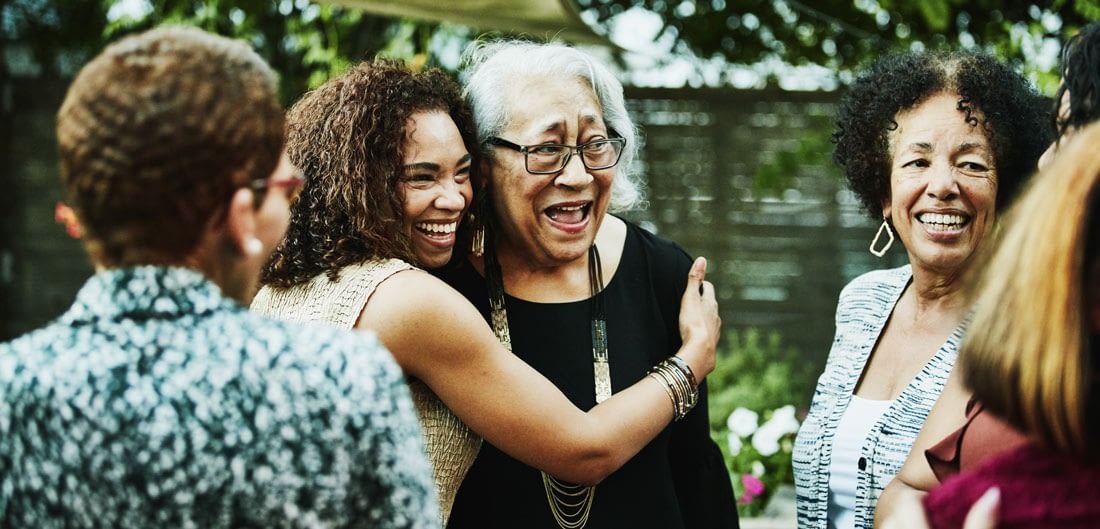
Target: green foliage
759,377
842,34
814,149
306,42
757,372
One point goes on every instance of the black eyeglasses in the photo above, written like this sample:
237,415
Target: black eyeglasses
547,158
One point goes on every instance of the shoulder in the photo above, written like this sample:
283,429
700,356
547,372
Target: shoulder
877,284
664,256
414,301
290,348
654,244
26,356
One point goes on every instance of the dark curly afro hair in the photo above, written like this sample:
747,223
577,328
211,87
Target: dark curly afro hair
348,138
1015,117
1081,77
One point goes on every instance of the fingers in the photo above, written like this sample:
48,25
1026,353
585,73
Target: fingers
983,514
697,277
698,273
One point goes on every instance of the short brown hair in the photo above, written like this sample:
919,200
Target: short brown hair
348,138
156,133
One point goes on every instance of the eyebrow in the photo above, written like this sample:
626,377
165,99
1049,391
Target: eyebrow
972,146
430,166
422,165
963,147
559,125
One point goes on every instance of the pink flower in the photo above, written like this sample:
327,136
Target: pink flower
753,488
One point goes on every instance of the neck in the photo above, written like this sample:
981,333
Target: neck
527,279
934,293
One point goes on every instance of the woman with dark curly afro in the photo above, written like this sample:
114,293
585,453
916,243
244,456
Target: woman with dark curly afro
386,152
962,438
934,144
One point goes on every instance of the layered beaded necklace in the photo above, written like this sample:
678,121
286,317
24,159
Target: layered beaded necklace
569,503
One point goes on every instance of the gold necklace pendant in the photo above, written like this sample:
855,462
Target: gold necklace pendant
569,503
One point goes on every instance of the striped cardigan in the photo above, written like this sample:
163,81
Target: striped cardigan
864,307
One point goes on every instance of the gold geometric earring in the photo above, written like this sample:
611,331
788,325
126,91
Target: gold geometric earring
889,242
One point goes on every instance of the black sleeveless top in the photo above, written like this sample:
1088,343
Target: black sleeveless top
679,479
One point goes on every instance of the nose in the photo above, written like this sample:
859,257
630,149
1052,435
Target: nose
450,198
943,183
574,174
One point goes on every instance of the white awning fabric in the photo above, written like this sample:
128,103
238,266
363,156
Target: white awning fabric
537,18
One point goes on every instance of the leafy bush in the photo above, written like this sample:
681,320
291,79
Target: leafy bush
757,377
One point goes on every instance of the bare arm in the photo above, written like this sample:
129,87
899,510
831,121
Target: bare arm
437,336
900,506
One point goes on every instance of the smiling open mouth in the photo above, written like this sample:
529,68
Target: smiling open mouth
569,214
942,221
437,230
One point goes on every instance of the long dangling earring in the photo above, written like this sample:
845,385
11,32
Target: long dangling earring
889,242
477,242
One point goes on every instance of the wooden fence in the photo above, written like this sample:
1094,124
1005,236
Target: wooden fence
743,177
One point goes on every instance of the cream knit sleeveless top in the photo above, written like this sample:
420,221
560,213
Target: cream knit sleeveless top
451,445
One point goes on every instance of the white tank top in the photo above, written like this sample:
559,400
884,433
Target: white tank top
851,433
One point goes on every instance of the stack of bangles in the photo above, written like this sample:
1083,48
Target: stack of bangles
679,382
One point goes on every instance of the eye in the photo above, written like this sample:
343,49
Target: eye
463,174
418,180
549,149
975,167
597,146
919,162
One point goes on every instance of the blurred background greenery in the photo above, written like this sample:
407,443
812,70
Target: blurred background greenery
734,98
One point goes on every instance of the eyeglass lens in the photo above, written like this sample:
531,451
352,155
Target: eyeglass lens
598,154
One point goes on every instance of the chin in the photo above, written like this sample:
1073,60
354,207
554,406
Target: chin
434,261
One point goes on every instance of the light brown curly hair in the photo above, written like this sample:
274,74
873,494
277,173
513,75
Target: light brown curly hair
348,138
156,133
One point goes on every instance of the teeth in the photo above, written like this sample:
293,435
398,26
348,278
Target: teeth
433,227
569,208
942,219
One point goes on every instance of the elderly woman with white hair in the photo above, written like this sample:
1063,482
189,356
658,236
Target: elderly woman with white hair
586,298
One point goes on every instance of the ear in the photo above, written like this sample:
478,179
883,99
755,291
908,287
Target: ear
240,223
886,213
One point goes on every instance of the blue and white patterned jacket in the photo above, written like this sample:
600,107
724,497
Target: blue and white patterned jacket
864,307
157,402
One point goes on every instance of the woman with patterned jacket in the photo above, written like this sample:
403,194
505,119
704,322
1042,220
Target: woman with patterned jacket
934,144
157,399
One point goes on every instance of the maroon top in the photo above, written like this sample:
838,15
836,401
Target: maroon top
1040,489
983,436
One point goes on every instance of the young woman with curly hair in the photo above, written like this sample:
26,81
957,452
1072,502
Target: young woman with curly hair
934,144
387,156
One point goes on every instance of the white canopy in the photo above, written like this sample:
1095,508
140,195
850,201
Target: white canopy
536,18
